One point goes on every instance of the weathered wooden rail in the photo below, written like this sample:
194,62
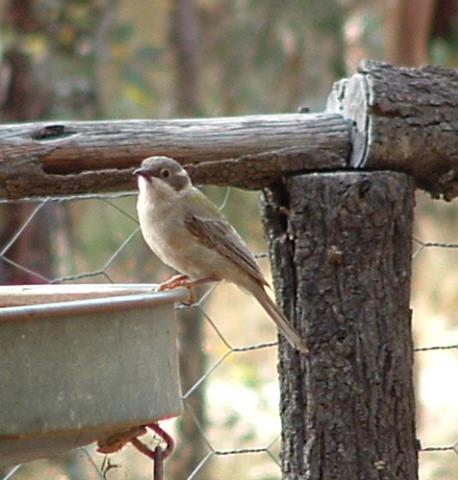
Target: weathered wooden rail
382,118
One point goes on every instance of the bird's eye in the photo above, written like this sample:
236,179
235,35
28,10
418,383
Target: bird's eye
165,173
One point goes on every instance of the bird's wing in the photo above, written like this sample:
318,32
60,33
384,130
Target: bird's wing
218,234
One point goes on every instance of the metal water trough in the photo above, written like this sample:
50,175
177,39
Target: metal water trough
81,362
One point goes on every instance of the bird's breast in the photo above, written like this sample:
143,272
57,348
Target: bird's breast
166,234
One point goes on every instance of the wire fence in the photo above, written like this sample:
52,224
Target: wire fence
110,266
97,238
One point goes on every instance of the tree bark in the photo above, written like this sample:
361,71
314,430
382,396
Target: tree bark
340,245
405,120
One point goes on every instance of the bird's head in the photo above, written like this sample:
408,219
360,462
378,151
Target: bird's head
162,175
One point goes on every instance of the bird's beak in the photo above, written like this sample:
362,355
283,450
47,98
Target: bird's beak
141,172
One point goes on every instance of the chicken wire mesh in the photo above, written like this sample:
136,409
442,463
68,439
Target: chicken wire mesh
121,256
96,238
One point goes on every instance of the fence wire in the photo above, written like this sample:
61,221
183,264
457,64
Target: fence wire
435,459
121,235
124,244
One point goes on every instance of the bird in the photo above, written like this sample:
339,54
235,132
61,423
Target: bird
190,234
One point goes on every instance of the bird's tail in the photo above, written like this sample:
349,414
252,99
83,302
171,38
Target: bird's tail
282,322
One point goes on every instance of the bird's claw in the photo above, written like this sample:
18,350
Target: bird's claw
174,282
178,281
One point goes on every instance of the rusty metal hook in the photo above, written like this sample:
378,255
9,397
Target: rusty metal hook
158,455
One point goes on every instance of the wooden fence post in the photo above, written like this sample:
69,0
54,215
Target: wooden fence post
340,247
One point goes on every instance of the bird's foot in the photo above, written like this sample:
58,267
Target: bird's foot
191,300
174,282
184,281
179,281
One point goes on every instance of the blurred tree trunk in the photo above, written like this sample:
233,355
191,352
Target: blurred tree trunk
407,30
25,96
191,447
49,68
185,39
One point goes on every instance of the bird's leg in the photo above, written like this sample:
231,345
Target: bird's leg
194,283
184,281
